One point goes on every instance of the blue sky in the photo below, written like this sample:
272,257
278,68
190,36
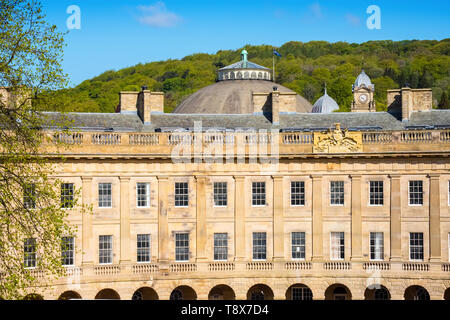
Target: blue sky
115,33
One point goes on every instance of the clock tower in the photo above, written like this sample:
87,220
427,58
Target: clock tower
363,90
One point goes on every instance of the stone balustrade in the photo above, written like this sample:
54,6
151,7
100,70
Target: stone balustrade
162,144
288,268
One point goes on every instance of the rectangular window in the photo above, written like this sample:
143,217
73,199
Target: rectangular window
68,251
105,249
337,193
259,245
182,246
337,248
29,196
143,248
143,195
220,194
29,260
416,193
298,245
181,194
105,195
220,246
416,246
376,193
297,193
258,193
376,246
67,192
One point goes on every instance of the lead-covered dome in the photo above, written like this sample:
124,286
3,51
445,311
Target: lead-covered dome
363,80
233,97
233,93
325,104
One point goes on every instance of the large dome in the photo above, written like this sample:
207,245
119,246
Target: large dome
233,97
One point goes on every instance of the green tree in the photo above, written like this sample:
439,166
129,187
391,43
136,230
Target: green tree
32,222
443,103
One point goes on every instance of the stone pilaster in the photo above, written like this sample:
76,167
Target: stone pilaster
356,249
163,224
435,219
317,226
396,223
201,219
87,241
125,220
239,218
278,220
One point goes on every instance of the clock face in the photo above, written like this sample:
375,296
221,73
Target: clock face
363,98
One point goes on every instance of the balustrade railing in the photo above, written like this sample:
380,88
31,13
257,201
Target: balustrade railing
287,139
415,267
221,266
183,267
106,138
259,266
145,268
107,270
298,265
337,265
416,136
144,139
376,265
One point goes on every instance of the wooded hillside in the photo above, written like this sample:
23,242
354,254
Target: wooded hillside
303,67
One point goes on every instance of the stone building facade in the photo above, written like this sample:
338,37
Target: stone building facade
333,206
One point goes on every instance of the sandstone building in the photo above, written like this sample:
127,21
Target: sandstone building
265,201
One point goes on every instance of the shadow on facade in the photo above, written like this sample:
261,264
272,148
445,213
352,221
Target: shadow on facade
221,292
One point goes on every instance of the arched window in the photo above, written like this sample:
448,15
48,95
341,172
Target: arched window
137,295
253,76
176,295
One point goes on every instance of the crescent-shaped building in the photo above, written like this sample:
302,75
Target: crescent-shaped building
248,192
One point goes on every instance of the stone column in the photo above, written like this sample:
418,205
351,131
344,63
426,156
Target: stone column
87,241
278,223
356,249
435,219
125,240
396,212
239,219
201,219
317,229
163,224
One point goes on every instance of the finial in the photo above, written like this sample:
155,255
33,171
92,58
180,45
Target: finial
325,88
244,58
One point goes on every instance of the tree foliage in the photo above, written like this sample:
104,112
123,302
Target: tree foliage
32,221
304,67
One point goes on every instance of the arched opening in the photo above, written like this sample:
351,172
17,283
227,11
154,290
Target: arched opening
253,75
33,296
221,292
145,293
377,292
338,292
416,293
183,293
107,294
447,294
246,75
69,295
260,292
299,291
260,75
239,75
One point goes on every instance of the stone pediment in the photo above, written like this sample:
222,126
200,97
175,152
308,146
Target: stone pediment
337,141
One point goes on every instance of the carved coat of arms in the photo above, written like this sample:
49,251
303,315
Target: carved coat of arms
337,141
